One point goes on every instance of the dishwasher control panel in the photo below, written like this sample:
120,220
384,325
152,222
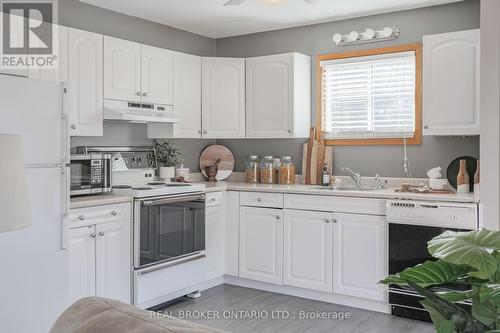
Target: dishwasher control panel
439,214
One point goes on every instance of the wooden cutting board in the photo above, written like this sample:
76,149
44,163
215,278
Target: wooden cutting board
314,154
309,152
213,153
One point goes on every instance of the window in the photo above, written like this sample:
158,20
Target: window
370,97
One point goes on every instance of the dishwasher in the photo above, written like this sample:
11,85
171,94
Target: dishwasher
411,225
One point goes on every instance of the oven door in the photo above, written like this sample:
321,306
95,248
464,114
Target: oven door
168,228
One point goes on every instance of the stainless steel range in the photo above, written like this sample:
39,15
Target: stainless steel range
169,217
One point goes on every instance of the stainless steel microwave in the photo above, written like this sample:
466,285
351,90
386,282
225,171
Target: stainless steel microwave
90,174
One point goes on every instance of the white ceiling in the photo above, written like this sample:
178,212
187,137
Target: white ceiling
210,18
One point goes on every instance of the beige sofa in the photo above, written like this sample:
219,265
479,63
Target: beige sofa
102,315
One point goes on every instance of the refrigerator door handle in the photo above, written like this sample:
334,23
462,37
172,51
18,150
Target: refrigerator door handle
65,171
65,125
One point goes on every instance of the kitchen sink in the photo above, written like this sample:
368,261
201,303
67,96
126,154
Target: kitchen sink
344,188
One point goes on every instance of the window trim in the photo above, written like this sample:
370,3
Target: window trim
416,139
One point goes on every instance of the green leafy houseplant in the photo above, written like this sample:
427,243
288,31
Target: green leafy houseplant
471,258
167,154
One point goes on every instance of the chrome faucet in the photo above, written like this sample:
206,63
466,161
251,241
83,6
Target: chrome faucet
356,177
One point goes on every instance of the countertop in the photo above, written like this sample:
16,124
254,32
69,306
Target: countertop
98,200
318,190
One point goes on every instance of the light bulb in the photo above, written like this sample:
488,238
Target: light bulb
274,2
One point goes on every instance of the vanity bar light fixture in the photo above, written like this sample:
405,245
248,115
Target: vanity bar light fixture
367,36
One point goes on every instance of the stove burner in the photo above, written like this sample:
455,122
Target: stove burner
122,186
156,183
177,184
142,188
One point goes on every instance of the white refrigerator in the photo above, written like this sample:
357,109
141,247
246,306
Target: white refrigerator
33,261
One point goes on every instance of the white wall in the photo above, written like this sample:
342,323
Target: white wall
490,113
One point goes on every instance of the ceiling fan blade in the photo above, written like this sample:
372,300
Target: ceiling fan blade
311,2
234,2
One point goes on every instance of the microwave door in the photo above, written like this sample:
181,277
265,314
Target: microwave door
81,176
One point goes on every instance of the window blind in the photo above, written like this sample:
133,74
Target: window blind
369,97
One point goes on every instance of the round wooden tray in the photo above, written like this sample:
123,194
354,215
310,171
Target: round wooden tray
211,154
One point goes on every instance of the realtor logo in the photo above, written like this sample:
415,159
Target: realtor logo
29,34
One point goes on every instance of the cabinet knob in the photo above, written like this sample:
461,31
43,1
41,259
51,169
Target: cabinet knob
73,126
327,220
426,127
259,199
335,221
199,131
81,217
205,132
138,93
114,213
289,131
278,217
144,94
92,235
101,233
213,200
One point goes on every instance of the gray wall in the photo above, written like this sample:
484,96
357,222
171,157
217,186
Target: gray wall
317,39
311,40
76,14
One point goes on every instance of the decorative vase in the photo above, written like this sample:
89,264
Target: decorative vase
463,184
167,173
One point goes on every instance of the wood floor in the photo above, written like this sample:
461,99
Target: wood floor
225,298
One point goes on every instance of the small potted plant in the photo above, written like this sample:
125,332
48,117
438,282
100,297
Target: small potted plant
167,157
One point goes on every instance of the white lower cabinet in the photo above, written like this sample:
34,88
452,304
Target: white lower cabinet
261,244
360,255
113,261
100,259
308,250
81,262
215,225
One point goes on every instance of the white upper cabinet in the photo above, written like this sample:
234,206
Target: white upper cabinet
360,255
278,96
223,98
308,250
157,75
122,69
451,83
187,95
60,74
85,83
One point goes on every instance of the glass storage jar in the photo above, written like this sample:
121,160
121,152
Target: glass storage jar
286,172
277,163
267,170
252,169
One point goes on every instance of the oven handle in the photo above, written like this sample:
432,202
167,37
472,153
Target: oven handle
181,198
168,264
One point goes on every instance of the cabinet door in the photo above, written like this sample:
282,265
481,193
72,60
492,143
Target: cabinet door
61,73
81,248
187,95
113,261
214,234
360,255
122,69
223,98
232,233
85,81
261,244
157,75
308,250
451,83
269,96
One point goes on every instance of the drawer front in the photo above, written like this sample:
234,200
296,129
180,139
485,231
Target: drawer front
99,214
335,204
261,199
214,199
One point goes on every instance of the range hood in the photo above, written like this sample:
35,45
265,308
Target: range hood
135,112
